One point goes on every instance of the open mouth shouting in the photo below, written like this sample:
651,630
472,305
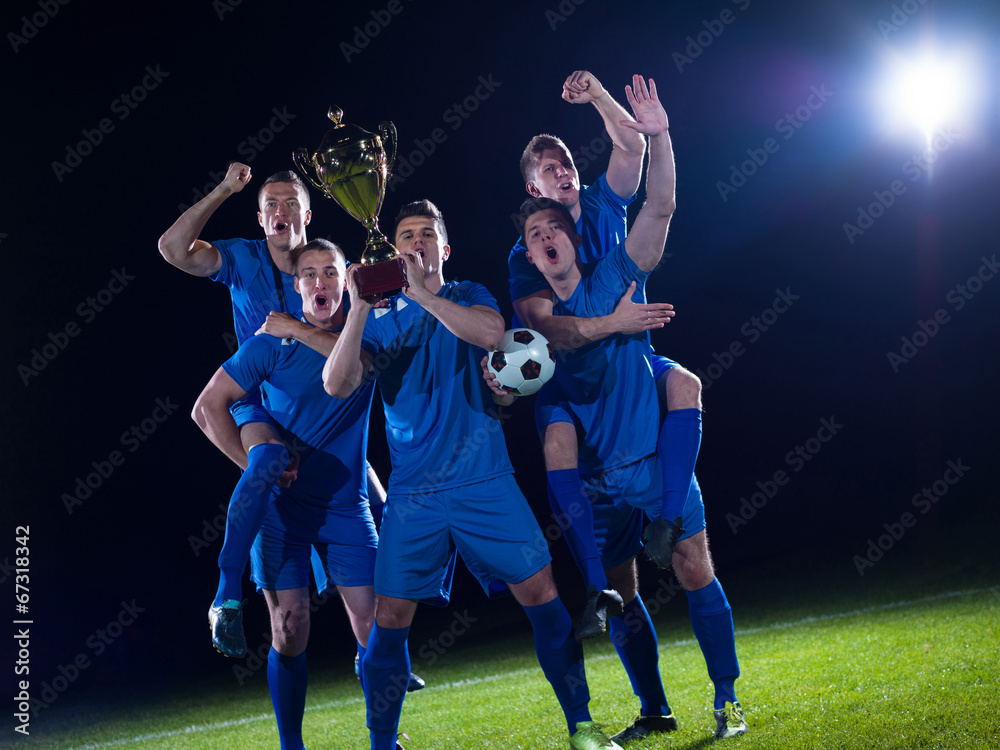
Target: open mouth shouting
280,227
566,187
322,302
552,254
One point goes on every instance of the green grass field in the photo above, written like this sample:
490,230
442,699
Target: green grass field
900,659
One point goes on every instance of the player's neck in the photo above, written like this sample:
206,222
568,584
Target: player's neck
576,211
564,286
282,259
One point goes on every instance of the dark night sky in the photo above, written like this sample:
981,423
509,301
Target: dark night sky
217,75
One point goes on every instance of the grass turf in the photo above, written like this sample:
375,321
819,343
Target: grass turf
905,659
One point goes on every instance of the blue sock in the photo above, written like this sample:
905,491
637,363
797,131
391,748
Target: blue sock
712,621
571,505
287,677
386,673
245,515
634,637
561,659
677,449
361,673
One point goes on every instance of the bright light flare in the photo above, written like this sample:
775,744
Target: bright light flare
927,93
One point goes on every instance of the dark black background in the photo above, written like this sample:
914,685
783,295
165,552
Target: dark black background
227,68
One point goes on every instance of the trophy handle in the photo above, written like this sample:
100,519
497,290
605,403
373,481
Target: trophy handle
388,132
302,160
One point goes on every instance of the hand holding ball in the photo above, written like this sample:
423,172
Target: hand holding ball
523,363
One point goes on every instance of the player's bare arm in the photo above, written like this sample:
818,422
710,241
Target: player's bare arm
478,325
180,245
645,242
211,414
625,164
568,332
348,364
282,325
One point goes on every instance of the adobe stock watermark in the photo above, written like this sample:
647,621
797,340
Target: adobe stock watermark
958,296
914,168
901,13
249,148
50,690
47,10
698,43
923,501
454,116
131,440
562,12
786,126
796,460
752,331
436,647
363,35
223,8
122,106
87,311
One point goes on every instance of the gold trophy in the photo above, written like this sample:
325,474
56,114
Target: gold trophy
352,167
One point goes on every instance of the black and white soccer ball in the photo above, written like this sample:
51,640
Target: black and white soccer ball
523,363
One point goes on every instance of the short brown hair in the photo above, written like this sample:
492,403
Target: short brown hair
320,244
421,208
285,176
529,159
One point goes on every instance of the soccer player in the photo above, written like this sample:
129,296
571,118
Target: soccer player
603,385
326,507
599,212
259,276
452,483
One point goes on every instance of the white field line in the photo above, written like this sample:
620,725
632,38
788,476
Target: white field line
139,739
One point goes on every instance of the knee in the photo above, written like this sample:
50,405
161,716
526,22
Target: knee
290,631
560,446
624,580
683,389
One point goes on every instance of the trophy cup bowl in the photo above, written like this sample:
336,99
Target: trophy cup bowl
352,166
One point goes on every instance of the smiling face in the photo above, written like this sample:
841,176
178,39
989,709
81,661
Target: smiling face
422,235
552,242
320,278
555,177
284,214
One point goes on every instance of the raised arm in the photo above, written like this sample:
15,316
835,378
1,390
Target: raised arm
625,164
478,325
648,236
211,413
568,332
348,364
180,245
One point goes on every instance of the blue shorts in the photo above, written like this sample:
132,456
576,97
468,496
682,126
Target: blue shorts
250,410
489,523
343,536
620,496
660,365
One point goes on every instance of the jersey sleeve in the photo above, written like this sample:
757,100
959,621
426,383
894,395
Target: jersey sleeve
229,271
472,294
253,362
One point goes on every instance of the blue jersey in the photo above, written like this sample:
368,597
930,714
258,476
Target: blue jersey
608,384
255,284
602,224
329,434
440,419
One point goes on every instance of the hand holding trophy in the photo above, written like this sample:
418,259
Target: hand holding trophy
352,167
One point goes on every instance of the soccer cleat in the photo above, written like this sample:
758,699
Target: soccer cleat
590,735
643,726
729,721
659,540
226,623
597,610
399,745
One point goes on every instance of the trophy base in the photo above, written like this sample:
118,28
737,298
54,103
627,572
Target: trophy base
376,280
